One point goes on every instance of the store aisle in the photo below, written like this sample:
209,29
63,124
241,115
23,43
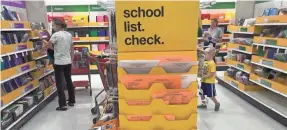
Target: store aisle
235,114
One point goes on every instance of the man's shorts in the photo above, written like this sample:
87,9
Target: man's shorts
208,89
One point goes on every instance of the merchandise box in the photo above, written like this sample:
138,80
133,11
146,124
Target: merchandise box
15,25
241,86
5,74
9,48
178,62
240,47
246,29
36,34
269,83
159,122
271,41
268,62
18,92
271,19
138,33
239,64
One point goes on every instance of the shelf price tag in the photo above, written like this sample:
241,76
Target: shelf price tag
25,67
243,29
265,83
266,62
240,66
234,84
27,88
17,25
271,42
242,48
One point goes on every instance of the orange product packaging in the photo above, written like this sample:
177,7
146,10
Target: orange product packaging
145,81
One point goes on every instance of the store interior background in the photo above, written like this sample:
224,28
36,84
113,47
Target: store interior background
80,118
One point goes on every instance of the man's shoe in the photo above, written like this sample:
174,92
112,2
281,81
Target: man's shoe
62,108
71,104
217,106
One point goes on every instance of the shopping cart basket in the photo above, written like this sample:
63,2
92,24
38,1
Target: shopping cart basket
81,66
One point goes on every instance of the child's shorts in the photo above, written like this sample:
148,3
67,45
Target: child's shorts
208,89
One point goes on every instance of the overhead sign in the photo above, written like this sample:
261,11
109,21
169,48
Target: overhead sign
156,25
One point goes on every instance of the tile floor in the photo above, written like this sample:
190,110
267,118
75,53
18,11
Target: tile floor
235,114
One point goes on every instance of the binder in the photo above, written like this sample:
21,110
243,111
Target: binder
13,84
100,18
106,18
102,47
12,61
102,33
93,33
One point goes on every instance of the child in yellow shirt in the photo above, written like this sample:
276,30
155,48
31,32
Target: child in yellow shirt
208,79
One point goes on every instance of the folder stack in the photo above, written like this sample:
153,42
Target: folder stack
157,84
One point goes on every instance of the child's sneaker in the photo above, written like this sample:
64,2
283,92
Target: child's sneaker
217,106
202,106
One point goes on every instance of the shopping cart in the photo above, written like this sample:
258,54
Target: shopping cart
108,96
81,66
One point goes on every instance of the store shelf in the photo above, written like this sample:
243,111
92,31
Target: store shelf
273,113
15,47
38,58
244,32
271,42
16,99
48,73
240,85
246,52
16,71
271,24
275,91
90,25
90,39
271,20
17,75
238,65
11,96
269,84
272,46
24,118
21,51
268,63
